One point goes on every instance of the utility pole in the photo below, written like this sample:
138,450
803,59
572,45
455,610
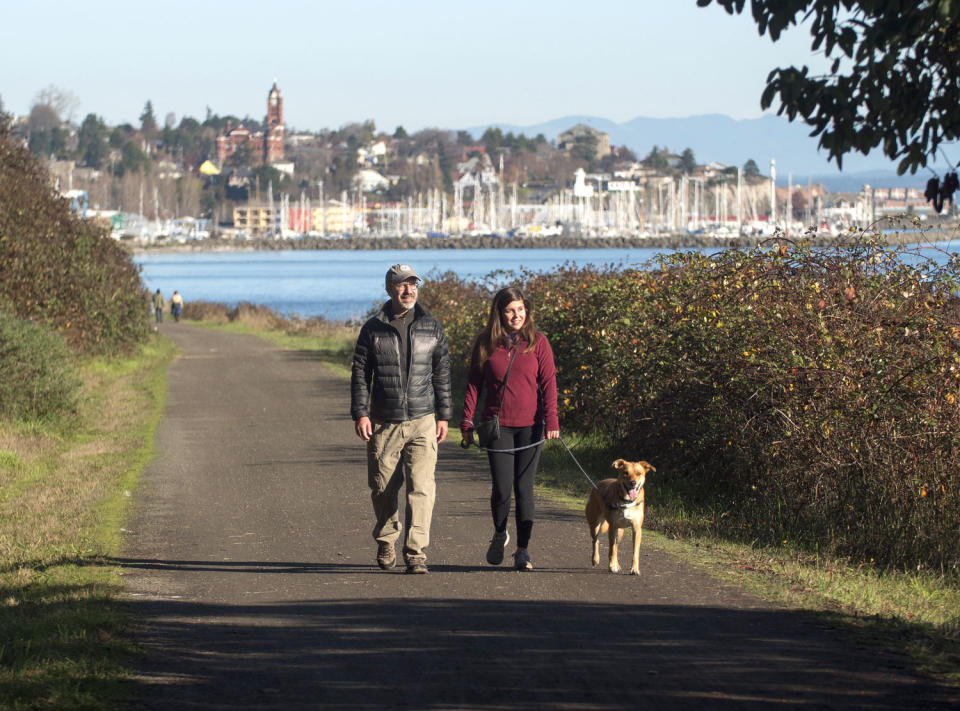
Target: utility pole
773,192
739,200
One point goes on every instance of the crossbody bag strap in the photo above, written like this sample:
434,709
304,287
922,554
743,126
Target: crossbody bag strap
503,390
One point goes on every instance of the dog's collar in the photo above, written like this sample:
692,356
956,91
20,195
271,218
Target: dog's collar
621,504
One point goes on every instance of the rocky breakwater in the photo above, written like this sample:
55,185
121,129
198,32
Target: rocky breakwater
478,242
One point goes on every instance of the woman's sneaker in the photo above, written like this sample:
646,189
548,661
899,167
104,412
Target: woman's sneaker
521,560
497,544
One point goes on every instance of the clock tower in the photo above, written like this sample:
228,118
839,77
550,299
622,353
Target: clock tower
273,145
274,107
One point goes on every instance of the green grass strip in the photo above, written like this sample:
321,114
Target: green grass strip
61,625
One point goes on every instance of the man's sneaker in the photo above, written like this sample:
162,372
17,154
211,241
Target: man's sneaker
521,560
497,544
386,556
416,568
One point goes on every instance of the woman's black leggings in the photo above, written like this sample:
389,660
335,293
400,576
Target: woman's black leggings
514,471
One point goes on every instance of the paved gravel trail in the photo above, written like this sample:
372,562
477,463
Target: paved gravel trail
250,564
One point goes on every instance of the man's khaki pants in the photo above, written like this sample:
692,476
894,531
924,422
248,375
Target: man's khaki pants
398,452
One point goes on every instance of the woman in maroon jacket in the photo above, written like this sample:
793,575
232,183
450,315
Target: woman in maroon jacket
526,407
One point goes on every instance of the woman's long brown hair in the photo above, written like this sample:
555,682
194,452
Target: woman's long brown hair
494,332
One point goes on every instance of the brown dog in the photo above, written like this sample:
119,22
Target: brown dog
616,504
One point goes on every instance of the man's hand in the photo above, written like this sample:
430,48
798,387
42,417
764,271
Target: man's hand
553,434
364,429
442,426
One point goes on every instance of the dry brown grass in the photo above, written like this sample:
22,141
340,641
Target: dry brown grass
23,443
256,317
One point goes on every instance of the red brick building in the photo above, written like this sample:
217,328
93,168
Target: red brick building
273,149
265,147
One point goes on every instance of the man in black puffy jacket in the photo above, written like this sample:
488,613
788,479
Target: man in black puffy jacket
401,406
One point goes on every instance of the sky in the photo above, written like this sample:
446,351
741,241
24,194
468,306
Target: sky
417,64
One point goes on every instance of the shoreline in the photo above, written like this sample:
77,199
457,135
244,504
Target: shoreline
676,241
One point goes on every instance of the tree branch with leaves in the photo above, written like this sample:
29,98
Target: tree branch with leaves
894,80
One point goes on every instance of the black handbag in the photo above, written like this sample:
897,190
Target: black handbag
488,431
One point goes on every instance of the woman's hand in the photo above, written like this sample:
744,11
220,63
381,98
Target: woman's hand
553,434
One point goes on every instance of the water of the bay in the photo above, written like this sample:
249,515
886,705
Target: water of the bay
345,284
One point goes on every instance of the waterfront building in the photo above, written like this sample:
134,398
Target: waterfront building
580,187
280,220
256,220
886,202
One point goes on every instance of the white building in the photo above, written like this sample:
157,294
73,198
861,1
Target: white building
580,187
374,154
370,181
476,170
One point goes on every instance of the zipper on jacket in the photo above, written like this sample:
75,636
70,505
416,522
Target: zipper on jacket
403,381
406,381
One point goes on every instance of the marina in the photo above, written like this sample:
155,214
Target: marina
720,205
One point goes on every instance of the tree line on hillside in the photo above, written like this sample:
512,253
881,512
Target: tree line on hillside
152,168
893,84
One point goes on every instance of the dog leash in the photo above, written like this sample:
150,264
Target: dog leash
466,444
577,463
515,449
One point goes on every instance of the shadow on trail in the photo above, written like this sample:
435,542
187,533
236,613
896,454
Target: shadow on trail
237,566
343,356
473,654
287,568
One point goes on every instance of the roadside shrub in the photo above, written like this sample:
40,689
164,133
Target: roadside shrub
206,311
262,317
811,395
318,327
257,317
462,307
58,270
37,379
791,392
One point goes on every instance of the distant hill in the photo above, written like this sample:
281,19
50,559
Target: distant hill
715,137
